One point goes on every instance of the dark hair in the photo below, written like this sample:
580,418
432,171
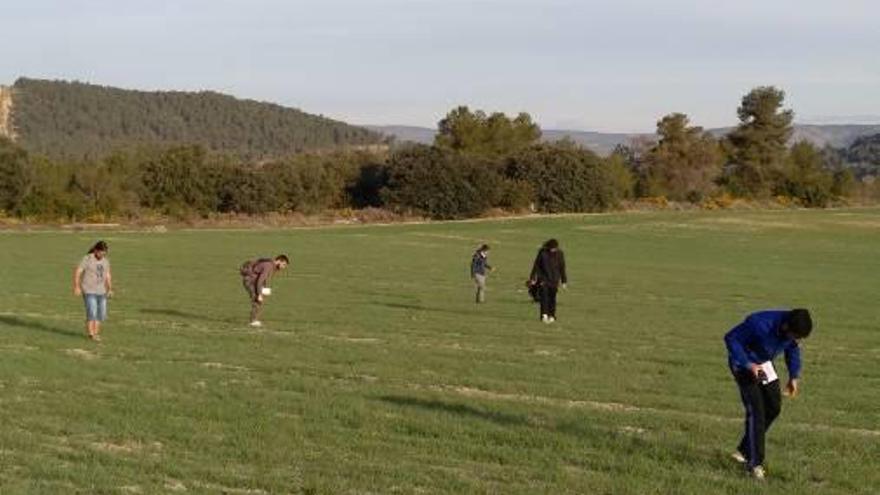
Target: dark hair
551,244
99,246
484,247
282,257
799,323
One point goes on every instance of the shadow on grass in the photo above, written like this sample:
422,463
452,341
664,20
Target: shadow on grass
419,307
427,309
456,408
35,325
183,314
416,307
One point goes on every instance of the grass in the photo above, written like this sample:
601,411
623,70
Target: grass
376,373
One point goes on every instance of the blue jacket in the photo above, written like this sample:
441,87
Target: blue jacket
759,339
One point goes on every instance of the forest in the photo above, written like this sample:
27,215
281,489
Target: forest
73,120
480,162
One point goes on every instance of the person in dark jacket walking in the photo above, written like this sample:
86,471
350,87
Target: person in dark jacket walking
255,276
480,269
548,273
751,347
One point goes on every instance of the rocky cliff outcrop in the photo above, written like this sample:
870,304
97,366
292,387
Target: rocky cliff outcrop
6,129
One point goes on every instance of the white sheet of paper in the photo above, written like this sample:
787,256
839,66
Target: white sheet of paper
769,373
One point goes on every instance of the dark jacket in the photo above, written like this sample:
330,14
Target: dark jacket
758,339
256,274
549,268
479,264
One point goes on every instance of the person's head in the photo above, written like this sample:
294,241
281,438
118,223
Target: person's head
798,324
99,249
484,248
551,245
281,261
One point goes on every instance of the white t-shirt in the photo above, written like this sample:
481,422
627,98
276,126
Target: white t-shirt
94,273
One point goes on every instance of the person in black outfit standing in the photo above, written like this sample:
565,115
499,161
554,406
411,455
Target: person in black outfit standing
548,272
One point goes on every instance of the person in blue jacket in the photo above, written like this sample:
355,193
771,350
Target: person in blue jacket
751,347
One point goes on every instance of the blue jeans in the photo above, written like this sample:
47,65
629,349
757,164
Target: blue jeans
96,307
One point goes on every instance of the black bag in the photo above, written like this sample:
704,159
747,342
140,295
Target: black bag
534,288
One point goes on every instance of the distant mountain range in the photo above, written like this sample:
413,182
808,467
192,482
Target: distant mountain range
838,135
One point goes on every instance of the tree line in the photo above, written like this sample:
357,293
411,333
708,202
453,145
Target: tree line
478,162
753,161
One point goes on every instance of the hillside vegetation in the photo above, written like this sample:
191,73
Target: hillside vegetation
75,120
479,163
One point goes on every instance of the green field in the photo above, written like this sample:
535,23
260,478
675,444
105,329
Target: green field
376,373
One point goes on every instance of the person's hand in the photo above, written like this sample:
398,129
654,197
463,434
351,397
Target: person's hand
110,294
564,286
756,370
77,291
792,389
260,298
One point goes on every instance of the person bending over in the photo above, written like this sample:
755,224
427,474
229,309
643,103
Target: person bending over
255,276
751,347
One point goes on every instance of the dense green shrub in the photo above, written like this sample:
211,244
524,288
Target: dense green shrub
366,190
246,190
843,183
180,179
622,178
517,195
441,183
311,183
804,177
565,178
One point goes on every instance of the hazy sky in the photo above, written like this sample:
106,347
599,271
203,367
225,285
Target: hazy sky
610,65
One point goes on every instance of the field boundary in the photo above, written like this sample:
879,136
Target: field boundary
299,222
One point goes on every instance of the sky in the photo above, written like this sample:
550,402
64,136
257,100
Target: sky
614,66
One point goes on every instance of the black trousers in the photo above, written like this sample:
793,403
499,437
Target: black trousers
762,404
548,300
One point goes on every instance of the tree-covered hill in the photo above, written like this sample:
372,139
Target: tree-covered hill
73,120
863,156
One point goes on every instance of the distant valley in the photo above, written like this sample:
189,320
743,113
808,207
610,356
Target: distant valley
836,135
